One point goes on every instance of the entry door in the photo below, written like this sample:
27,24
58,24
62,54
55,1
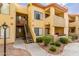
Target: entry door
46,31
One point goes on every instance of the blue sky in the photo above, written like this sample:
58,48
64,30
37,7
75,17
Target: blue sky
72,7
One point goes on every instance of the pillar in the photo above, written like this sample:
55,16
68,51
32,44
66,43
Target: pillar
66,27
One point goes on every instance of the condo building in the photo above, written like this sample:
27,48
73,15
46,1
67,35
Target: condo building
74,24
34,20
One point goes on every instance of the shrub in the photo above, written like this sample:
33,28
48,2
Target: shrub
47,40
74,37
64,40
53,48
52,43
39,40
58,44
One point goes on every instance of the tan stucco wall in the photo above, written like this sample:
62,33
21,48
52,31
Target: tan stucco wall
21,9
32,23
76,25
10,21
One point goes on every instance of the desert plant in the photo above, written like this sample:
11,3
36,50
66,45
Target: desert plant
53,48
39,39
64,40
47,40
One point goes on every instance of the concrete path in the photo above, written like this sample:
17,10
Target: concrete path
71,49
33,48
36,50
19,43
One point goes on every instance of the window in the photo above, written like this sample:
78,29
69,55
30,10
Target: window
37,15
72,30
4,8
38,31
2,32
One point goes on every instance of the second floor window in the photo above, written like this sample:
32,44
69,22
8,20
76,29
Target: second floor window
37,15
4,8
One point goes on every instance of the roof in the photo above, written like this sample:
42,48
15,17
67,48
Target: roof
63,8
73,15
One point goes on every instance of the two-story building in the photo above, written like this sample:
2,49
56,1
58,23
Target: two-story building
33,20
74,24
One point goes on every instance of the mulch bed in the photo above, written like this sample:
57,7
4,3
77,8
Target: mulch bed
11,51
46,48
59,50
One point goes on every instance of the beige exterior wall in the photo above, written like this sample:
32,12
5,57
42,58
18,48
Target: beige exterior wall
21,9
66,28
76,25
53,20
33,22
10,21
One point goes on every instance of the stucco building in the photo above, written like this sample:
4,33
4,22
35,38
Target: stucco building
33,20
74,24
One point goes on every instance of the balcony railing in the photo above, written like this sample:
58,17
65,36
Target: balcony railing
72,24
59,21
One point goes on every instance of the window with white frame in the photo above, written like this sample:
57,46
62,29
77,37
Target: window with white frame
38,31
2,33
4,8
38,15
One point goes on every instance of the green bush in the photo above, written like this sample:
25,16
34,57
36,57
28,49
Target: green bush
64,40
39,39
52,43
53,48
74,37
58,44
47,40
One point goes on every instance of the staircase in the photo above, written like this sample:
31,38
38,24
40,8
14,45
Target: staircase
28,35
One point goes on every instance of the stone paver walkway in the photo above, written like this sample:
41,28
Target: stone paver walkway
71,49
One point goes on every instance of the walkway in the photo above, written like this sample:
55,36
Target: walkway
36,50
33,48
11,51
71,49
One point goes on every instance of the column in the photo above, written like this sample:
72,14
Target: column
66,28
52,13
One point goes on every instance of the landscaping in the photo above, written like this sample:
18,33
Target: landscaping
53,46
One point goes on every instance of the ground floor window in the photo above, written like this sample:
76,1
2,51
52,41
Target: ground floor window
2,32
38,31
72,29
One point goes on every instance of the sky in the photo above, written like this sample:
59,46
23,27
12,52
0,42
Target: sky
73,8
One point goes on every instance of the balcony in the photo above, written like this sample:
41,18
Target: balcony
59,21
72,24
